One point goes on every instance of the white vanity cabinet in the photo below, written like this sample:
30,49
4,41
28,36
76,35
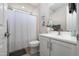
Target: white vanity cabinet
77,48
60,48
44,46
54,47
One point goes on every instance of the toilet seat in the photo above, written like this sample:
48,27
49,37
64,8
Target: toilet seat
34,43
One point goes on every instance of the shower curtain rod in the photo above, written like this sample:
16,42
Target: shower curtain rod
14,9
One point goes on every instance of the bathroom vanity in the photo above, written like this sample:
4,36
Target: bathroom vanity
52,44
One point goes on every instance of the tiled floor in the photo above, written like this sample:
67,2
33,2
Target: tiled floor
36,54
25,52
26,55
18,52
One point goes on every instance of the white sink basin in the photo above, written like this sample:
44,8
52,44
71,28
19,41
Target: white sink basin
61,33
64,36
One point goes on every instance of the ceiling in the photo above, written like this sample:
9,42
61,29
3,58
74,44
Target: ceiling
53,6
57,5
34,4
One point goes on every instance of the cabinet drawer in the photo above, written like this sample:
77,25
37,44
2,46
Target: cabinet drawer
63,43
42,37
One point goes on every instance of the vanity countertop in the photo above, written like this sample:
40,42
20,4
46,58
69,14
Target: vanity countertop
64,36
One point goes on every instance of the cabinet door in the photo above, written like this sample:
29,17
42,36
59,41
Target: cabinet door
62,49
77,48
44,46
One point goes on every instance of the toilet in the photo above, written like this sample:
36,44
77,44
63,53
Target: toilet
33,47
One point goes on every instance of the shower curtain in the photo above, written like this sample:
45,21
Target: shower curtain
22,28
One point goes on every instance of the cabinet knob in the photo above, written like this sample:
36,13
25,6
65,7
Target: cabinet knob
48,44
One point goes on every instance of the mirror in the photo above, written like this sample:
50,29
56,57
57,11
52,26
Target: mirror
63,16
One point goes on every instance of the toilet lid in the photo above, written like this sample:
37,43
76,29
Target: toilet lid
34,42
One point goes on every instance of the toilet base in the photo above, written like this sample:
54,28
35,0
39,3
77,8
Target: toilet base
32,50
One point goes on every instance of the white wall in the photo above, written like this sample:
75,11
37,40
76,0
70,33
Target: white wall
59,17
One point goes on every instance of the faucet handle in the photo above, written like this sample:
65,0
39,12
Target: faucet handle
77,36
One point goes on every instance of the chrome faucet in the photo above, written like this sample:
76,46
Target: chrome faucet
77,36
59,31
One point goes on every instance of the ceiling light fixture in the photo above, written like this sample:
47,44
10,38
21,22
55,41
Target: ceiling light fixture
23,7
